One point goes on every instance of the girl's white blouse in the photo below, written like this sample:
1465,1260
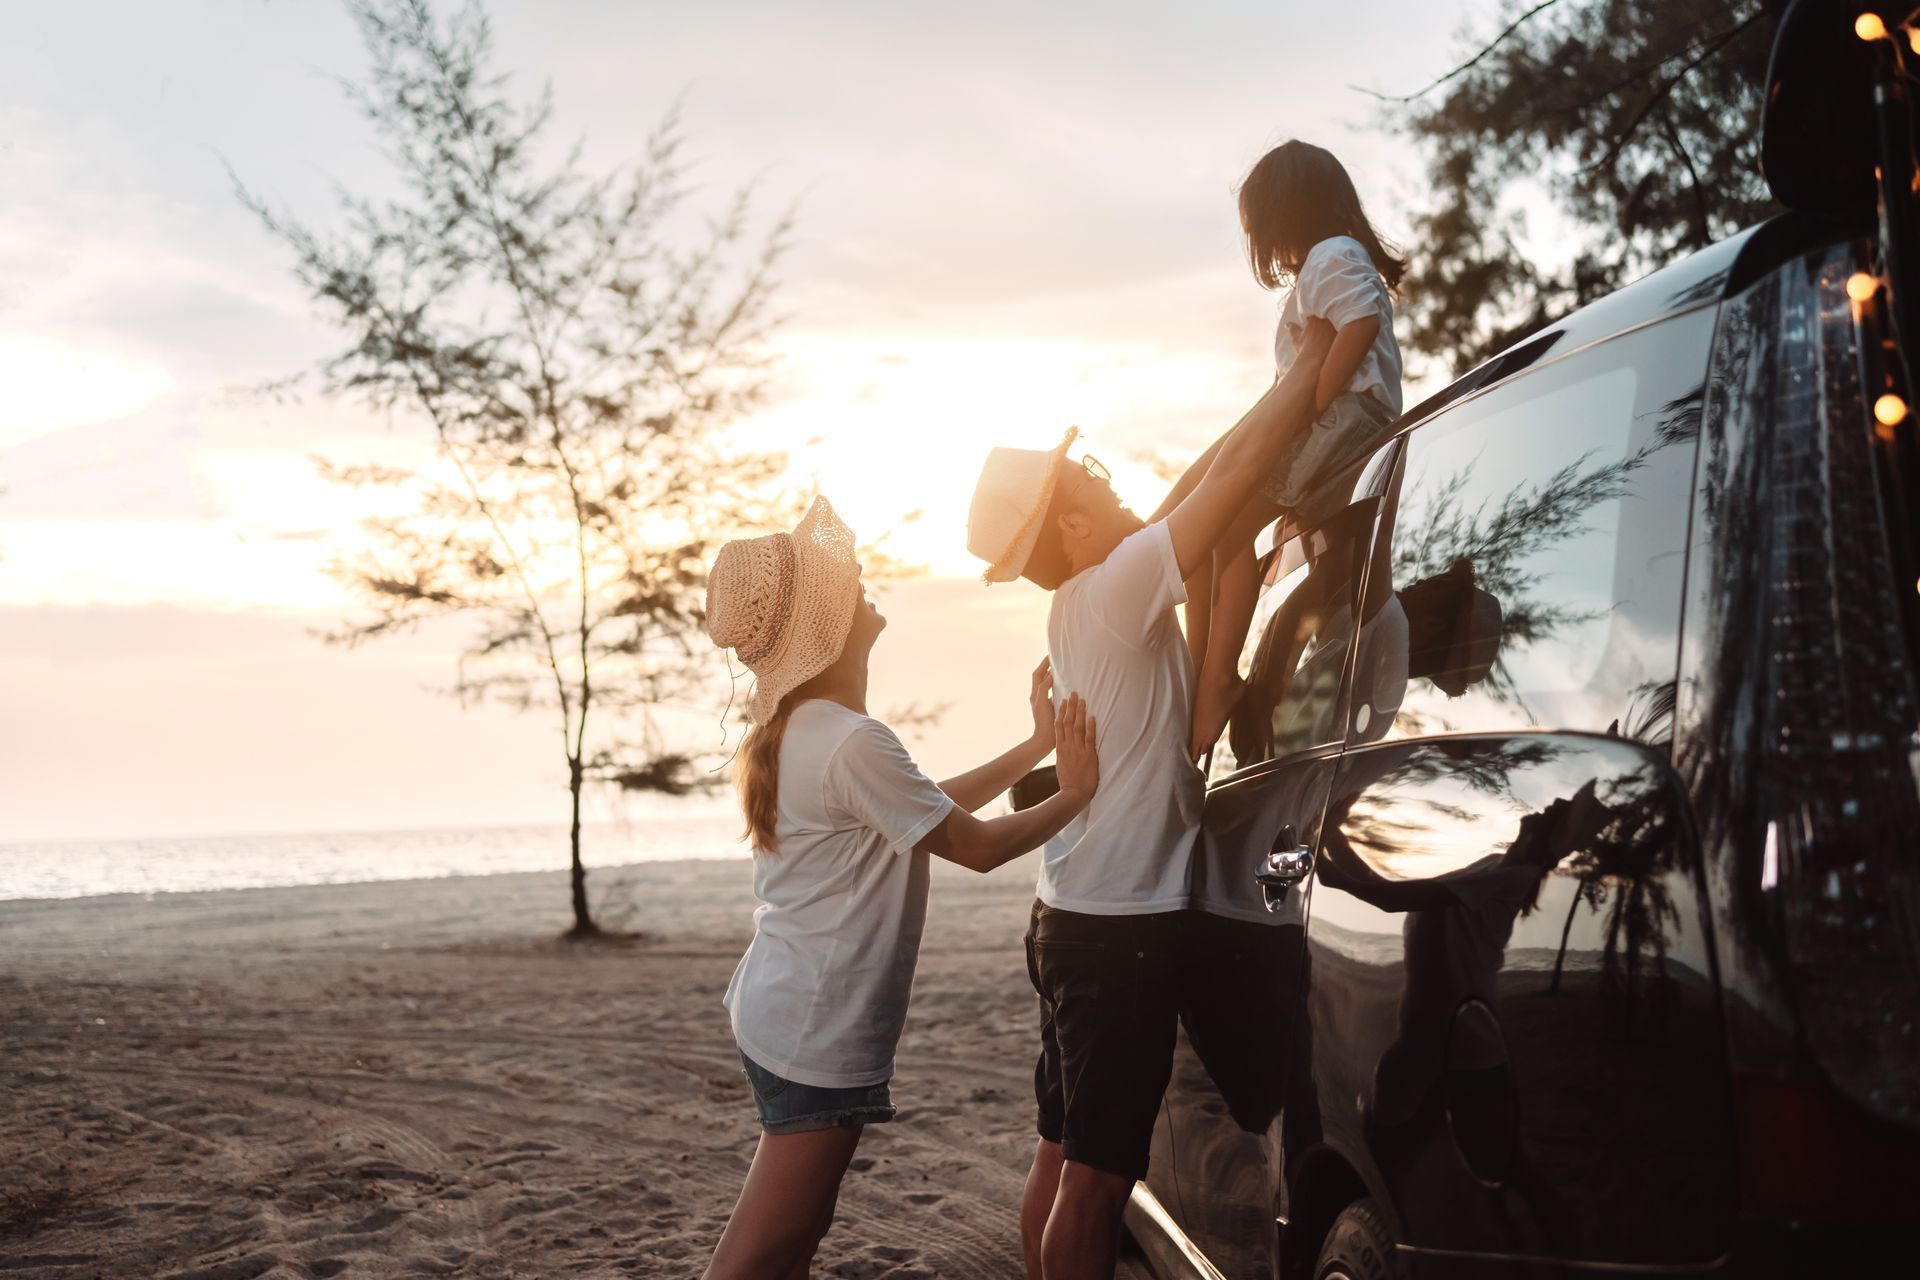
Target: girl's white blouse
1338,282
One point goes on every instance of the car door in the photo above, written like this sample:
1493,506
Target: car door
1513,1008
1271,775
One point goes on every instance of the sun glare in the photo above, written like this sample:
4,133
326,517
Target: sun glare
895,431
51,385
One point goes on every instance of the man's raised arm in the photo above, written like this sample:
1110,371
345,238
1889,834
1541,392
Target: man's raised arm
1246,454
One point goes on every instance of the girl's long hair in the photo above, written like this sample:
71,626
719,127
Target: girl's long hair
1296,196
756,772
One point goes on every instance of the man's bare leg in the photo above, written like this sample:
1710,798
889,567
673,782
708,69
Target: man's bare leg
1036,1202
1082,1239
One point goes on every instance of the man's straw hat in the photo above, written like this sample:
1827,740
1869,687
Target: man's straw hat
1009,504
783,603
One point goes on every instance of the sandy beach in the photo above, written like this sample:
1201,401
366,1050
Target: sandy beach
415,1078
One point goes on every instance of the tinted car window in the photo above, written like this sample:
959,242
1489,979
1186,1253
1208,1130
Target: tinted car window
1303,623
1537,553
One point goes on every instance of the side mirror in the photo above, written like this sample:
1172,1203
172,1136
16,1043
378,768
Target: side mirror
1034,788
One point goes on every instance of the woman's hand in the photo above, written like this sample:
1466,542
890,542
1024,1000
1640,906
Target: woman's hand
1075,763
983,845
1040,699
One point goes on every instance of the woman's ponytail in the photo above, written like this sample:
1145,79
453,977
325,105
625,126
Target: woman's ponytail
757,774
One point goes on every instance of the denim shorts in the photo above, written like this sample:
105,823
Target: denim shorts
1341,436
787,1106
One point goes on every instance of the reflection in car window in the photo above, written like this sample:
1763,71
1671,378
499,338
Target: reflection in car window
1290,665
1297,647
1537,548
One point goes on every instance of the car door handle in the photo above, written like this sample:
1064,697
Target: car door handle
1287,863
1284,868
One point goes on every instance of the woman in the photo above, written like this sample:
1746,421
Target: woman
842,823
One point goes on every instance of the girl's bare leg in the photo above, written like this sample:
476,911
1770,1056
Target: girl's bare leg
785,1207
1199,612
1236,585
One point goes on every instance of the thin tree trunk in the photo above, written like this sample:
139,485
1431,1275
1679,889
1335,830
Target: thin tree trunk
583,925
1566,931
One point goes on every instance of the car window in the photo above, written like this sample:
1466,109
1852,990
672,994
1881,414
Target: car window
1303,624
1537,549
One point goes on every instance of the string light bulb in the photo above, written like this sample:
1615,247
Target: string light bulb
1890,409
1868,26
1861,286
1913,38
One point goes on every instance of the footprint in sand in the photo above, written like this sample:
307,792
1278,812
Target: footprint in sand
880,1262
378,1220
534,1144
248,1268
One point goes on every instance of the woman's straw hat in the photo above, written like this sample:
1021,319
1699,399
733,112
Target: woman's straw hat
1009,504
784,602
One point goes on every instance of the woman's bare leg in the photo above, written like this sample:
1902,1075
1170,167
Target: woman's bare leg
785,1207
1236,585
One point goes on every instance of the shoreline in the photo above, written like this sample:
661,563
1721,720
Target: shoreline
151,894
724,808
186,865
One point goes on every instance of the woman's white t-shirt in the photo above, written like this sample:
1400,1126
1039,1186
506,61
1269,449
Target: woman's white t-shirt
822,991
1339,283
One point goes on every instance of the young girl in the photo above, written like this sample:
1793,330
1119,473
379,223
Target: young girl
842,823
1304,226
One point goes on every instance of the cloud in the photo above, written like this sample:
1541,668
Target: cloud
52,384
1012,217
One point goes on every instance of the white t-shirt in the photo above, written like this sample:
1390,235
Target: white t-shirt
1114,640
821,993
1338,283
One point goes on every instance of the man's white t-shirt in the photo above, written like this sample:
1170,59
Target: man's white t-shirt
822,991
1114,640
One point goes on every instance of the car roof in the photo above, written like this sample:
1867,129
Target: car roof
1701,278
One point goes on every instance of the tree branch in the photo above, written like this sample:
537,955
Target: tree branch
1463,67
1668,85
1702,222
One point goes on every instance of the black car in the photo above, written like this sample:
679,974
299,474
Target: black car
1558,899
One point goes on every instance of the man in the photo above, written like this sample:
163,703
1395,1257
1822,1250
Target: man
1114,882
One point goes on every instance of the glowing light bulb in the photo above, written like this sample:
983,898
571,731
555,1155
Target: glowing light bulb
1868,26
1913,38
1890,409
1861,286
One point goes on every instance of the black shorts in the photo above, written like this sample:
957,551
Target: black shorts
1109,1005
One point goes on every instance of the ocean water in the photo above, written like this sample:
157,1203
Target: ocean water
74,869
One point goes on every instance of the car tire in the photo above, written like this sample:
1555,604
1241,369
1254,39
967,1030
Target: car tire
1359,1247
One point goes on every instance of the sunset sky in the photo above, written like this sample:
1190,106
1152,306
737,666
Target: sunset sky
1011,217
